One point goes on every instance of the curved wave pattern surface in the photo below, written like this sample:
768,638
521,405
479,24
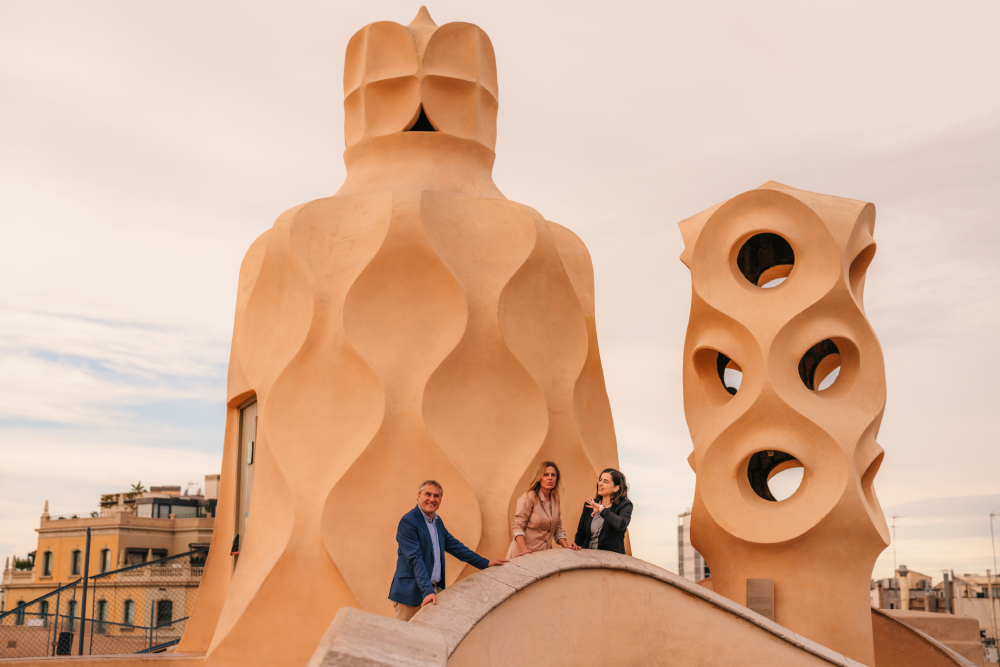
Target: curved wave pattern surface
777,277
416,325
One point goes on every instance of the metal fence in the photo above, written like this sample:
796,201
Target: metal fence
137,609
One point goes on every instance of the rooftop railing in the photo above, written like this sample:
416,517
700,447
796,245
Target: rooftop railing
137,609
104,513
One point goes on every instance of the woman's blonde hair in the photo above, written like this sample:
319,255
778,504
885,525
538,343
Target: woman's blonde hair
536,481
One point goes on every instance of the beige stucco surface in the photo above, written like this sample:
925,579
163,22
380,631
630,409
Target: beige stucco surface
820,544
361,639
958,633
562,607
898,644
625,618
416,325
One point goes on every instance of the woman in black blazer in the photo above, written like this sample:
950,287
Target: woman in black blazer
605,518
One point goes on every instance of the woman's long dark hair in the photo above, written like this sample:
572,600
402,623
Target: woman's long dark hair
619,480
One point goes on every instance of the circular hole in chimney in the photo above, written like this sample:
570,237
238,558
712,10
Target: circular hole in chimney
819,367
765,260
730,374
774,475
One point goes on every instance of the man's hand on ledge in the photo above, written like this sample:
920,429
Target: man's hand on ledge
498,561
430,599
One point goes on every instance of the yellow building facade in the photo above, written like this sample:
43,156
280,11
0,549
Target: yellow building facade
135,605
120,536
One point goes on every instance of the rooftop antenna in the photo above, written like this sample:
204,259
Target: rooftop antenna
990,591
993,540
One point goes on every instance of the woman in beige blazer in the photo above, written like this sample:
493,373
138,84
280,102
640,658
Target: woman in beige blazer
537,520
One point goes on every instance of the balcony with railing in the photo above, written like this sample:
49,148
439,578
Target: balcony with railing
138,609
104,513
17,576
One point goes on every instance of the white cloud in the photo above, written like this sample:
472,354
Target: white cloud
71,469
69,370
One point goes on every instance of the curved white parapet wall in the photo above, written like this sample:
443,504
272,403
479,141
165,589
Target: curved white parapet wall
580,608
563,607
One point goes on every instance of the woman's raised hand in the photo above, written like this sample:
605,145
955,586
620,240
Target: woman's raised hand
594,506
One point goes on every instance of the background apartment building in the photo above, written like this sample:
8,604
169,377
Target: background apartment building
914,598
128,528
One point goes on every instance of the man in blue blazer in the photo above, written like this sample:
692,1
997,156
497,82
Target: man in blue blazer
423,541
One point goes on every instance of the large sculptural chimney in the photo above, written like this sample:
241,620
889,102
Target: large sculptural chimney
415,325
777,279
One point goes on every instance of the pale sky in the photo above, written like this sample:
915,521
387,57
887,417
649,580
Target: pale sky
143,146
